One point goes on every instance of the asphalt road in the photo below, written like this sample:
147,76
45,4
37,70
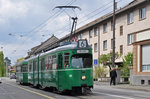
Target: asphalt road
9,89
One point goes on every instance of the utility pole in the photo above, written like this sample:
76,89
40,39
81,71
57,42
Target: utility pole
114,22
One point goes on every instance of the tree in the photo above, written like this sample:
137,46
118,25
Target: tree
127,61
8,61
2,65
106,59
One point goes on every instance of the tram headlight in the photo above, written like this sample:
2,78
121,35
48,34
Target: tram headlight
83,77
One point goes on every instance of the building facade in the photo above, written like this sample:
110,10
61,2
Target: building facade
141,49
132,35
129,19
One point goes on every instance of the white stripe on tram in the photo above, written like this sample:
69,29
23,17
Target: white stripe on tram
58,70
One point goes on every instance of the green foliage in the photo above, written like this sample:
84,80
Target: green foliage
2,65
8,61
100,71
127,61
106,59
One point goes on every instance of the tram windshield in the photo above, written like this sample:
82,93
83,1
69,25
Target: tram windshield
81,61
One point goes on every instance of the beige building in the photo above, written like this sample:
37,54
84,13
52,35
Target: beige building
129,19
132,28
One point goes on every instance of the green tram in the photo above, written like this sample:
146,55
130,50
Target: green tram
65,68
22,72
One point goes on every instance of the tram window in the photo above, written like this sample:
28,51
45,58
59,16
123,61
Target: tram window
35,65
46,62
30,67
54,62
81,61
50,62
66,60
43,64
18,69
24,68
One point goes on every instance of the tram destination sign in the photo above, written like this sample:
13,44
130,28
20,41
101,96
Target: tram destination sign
82,43
82,51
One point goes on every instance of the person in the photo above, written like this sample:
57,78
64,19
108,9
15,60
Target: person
113,75
66,65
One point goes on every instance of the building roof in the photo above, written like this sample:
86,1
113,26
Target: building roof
48,44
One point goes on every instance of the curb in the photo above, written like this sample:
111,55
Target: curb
146,89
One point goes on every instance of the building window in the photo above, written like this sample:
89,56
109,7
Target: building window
121,30
95,31
142,82
145,58
105,45
95,47
130,18
111,43
142,13
105,27
121,49
130,39
90,33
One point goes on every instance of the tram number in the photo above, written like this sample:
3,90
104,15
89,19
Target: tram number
82,43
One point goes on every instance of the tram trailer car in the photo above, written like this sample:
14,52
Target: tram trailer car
22,72
65,68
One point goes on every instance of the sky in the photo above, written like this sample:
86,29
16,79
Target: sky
27,23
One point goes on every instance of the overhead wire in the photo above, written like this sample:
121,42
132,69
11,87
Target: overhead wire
90,13
94,14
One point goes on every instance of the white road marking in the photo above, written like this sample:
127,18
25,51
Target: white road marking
113,95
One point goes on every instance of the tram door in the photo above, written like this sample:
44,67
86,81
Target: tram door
60,65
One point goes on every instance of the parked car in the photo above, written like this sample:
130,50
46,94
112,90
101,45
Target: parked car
12,76
0,80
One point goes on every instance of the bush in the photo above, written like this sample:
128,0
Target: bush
100,72
127,61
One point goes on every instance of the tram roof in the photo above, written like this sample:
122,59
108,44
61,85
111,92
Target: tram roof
22,62
73,45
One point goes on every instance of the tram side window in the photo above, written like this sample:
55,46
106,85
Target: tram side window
50,61
24,68
54,62
35,65
43,64
30,67
18,69
66,60
46,62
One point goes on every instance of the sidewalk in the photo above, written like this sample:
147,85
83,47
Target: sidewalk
124,86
